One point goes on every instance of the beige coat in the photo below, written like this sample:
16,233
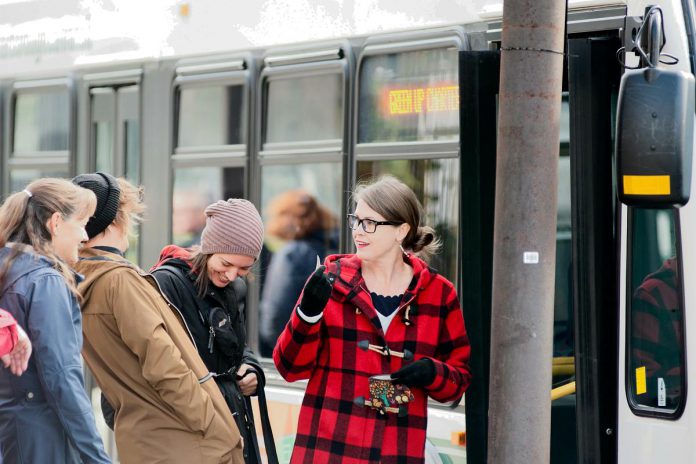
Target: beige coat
143,358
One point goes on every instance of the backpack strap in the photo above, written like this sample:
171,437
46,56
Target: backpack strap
268,440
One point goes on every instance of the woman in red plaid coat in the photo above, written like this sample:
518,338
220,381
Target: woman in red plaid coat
379,311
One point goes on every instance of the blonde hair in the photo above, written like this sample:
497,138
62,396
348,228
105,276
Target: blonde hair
130,206
24,217
395,201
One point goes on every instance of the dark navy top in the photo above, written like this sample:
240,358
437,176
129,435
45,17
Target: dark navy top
385,305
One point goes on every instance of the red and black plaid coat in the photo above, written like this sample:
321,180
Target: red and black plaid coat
657,339
332,427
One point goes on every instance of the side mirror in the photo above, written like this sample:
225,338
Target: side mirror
655,137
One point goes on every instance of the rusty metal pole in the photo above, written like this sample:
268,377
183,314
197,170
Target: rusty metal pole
524,250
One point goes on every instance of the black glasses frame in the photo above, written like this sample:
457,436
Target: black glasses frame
356,222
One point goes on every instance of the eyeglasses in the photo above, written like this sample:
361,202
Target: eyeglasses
368,225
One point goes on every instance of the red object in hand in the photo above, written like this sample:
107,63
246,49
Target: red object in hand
8,332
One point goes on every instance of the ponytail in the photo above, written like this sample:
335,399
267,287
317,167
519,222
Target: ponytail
24,216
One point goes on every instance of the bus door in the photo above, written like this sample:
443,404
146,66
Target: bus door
582,425
114,129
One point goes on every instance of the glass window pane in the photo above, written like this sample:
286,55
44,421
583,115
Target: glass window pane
300,205
319,101
19,178
656,316
196,188
132,150
104,146
436,183
210,116
411,96
41,122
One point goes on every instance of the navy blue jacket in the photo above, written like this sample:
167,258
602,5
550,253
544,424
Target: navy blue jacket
45,414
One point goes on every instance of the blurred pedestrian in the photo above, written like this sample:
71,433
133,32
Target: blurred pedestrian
45,415
308,231
381,311
167,408
207,283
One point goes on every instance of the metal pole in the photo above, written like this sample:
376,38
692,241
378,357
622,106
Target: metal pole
524,250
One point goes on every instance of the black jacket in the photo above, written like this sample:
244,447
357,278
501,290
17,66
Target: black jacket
217,324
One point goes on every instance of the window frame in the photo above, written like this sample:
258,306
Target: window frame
404,43
49,160
638,409
227,78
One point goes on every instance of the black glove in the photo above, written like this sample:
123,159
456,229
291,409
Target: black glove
316,293
417,374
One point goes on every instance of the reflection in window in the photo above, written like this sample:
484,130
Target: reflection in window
319,101
41,122
210,116
563,339
19,178
436,184
410,96
196,188
656,316
300,204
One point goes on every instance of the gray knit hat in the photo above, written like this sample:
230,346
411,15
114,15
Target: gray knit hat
233,226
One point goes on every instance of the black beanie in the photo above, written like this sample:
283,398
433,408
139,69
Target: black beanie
105,187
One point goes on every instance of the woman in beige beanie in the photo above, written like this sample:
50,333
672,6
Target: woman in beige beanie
206,282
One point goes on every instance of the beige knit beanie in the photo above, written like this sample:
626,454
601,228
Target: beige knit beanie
234,227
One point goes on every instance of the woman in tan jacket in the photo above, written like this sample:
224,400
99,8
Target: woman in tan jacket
168,408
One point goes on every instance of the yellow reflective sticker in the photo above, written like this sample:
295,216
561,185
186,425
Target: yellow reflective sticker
640,381
646,185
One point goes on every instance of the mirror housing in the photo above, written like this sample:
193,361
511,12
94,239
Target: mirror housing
655,137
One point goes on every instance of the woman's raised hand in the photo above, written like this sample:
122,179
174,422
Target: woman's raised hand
316,293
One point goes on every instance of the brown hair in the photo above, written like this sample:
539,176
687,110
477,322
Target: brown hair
395,201
295,214
24,217
199,264
130,206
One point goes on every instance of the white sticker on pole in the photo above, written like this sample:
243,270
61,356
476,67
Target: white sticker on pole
530,257
661,393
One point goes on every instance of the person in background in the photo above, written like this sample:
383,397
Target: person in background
207,283
166,406
45,414
15,346
379,311
309,231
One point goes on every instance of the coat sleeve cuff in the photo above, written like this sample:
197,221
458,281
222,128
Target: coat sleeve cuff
309,319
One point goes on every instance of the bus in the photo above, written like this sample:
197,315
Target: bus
199,100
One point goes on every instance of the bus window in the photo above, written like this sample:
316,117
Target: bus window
655,351
196,188
40,123
19,178
210,116
436,183
319,99
300,204
409,96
